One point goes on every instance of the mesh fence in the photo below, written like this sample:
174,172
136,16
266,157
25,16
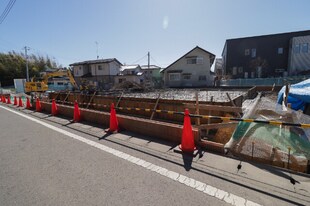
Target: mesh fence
279,145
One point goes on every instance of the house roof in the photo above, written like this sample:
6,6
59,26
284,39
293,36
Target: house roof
151,67
97,61
127,67
298,33
197,47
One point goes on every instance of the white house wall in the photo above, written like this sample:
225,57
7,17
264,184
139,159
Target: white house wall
80,70
114,68
195,70
98,72
130,78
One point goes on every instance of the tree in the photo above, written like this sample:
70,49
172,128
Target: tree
13,66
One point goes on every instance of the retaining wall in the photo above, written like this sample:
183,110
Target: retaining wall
167,131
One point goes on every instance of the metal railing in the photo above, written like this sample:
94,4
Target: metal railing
279,81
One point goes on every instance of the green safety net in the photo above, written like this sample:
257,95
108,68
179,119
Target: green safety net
262,140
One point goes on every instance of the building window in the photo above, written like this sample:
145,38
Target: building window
304,48
174,77
235,69
202,78
80,68
253,55
99,67
194,60
121,80
240,69
187,76
297,48
280,50
247,52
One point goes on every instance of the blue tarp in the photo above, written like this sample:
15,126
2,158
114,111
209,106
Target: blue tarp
299,95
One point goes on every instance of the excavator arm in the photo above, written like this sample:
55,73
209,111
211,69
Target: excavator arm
41,86
66,73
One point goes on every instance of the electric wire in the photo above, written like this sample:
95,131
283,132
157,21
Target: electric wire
140,59
7,10
156,62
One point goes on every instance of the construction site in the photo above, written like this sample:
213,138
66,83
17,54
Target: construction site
242,123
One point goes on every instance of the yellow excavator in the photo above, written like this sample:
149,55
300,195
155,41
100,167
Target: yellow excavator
40,85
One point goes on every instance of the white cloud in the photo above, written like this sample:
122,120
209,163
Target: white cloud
165,22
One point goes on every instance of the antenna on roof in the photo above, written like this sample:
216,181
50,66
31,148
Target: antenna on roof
148,60
97,49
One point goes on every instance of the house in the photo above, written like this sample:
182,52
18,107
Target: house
152,75
299,57
218,71
271,55
100,73
130,73
190,70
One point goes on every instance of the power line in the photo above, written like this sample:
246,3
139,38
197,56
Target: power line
7,10
140,59
156,61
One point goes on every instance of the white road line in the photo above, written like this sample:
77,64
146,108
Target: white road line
200,186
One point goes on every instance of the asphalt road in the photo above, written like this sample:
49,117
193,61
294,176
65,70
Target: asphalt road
44,166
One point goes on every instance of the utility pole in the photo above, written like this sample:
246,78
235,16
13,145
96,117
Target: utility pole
97,49
27,70
148,60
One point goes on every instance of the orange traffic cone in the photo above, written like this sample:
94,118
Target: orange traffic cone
15,100
28,105
113,120
9,100
76,113
20,103
38,105
187,143
54,108
3,99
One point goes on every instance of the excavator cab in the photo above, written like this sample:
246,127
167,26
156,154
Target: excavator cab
35,87
41,84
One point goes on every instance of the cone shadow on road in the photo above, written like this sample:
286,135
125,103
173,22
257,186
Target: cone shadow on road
105,136
187,160
189,156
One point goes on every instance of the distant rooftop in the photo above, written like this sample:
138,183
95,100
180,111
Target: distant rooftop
126,67
299,33
97,61
151,67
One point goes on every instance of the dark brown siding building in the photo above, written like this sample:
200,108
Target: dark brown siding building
259,56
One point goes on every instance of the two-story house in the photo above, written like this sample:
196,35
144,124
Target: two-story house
152,75
130,73
100,73
273,55
190,70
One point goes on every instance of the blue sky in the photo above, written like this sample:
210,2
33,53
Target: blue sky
67,30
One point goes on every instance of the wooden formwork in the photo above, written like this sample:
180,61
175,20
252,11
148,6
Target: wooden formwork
97,102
